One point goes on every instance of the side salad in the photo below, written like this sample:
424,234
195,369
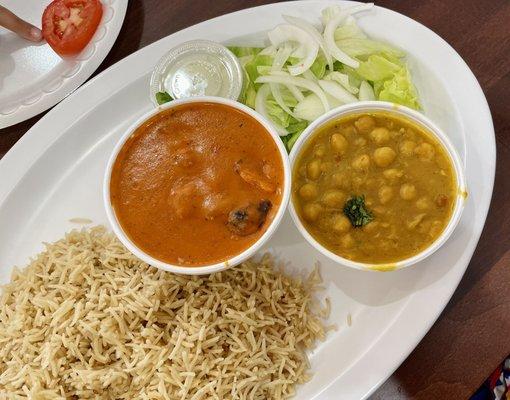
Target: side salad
306,71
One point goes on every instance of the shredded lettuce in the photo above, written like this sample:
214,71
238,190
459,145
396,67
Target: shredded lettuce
276,113
400,90
349,30
245,51
252,67
377,68
319,66
342,79
360,48
296,126
354,78
288,98
263,70
250,96
291,89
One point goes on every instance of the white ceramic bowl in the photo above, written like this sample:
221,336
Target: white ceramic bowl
419,119
206,269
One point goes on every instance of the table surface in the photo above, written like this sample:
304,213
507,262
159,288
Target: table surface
472,335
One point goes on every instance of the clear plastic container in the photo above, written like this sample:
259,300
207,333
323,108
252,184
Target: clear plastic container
197,68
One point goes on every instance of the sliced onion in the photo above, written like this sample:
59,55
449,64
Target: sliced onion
342,79
366,92
277,94
268,51
310,108
299,52
280,59
260,107
337,91
308,27
295,92
296,81
310,76
331,11
333,101
285,33
329,34
282,55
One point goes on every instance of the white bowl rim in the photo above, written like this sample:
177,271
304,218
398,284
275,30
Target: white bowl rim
420,119
209,268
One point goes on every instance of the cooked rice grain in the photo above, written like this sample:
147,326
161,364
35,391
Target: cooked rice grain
86,319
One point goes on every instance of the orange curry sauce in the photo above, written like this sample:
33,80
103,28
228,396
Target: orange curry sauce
197,184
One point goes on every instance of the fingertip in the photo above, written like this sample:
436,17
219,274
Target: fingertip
35,34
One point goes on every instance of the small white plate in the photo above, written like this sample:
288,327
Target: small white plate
33,77
54,174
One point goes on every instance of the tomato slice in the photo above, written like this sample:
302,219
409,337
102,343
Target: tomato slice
68,25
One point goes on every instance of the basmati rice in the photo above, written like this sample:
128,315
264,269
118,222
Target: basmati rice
86,319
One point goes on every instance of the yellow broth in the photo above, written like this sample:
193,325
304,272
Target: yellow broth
404,173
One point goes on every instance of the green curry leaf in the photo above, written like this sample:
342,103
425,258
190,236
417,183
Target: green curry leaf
357,212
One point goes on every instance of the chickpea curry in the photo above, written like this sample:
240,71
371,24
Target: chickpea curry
197,184
374,187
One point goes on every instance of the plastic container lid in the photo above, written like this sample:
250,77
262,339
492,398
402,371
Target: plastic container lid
197,68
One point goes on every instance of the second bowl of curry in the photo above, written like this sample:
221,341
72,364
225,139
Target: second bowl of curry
376,186
197,185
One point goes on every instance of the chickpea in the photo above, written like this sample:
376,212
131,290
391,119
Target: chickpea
362,163
357,183
409,133
339,143
320,150
385,194
425,152
406,148
311,211
334,199
302,171
380,135
379,210
341,223
395,134
313,169
384,156
393,174
370,183
364,124
371,226
441,200
437,227
361,141
347,241
423,203
348,131
327,166
389,124
408,191
424,226
340,180
308,191
415,221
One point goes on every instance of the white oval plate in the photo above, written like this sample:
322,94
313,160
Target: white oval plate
54,173
33,77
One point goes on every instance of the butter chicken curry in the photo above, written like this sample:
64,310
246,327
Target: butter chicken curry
197,184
